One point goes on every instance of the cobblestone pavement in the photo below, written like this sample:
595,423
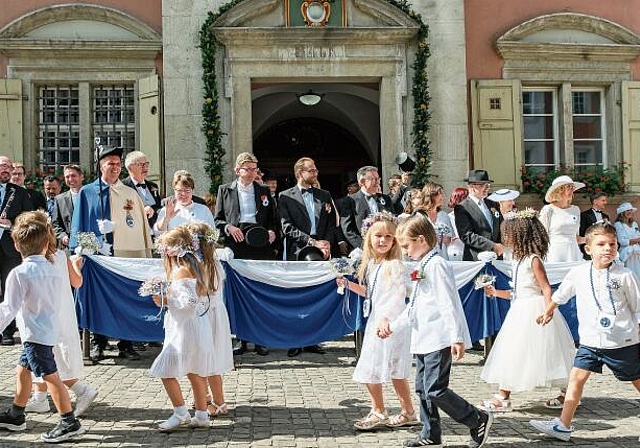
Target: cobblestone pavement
310,401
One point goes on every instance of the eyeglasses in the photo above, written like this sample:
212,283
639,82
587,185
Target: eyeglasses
312,171
183,191
372,179
113,164
481,185
142,164
251,170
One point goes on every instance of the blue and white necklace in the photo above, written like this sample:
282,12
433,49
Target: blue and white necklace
421,267
605,319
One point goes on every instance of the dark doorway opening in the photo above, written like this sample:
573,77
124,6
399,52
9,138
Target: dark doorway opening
336,152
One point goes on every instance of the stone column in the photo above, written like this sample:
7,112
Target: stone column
391,134
449,134
241,129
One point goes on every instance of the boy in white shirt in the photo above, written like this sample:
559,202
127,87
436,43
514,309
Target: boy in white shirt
32,298
607,305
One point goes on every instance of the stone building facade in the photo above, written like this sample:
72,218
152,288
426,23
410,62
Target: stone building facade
511,83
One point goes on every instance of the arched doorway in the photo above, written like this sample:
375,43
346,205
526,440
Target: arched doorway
338,153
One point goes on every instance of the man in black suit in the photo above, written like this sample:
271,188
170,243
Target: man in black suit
478,227
596,213
52,188
243,205
308,218
137,164
361,204
63,208
13,201
18,175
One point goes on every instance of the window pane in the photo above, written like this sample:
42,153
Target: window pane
588,153
58,120
114,115
588,132
538,127
539,123
587,127
537,102
539,153
586,103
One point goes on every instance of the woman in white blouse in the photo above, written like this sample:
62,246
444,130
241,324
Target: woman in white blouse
432,199
628,237
180,208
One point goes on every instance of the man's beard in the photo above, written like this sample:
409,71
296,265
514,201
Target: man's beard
4,178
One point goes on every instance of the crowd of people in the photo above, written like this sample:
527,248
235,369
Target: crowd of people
424,321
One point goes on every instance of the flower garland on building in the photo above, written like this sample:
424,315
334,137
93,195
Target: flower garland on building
214,162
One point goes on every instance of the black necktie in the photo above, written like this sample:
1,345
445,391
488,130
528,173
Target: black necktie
307,190
141,185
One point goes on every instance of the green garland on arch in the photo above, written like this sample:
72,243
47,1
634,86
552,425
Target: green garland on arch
214,162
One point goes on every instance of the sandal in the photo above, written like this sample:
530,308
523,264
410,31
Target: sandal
557,402
403,419
216,410
497,403
371,421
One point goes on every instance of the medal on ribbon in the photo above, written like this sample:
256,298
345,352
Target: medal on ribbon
128,206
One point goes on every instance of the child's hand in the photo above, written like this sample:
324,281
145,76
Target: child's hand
384,329
490,290
544,318
457,351
77,261
158,301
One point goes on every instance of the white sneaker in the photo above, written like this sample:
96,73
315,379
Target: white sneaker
84,400
553,428
198,423
175,422
37,406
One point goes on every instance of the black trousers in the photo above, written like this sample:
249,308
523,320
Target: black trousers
8,261
100,341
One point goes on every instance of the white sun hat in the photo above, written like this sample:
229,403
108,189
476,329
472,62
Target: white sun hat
503,195
625,207
559,182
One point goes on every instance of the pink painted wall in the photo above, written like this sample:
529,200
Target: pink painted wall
148,11
486,20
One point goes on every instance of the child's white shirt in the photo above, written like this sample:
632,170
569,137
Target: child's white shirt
626,299
33,298
437,320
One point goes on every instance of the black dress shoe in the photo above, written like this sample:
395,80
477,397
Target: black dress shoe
261,350
314,349
240,350
129,353
8,340
96,354
294,352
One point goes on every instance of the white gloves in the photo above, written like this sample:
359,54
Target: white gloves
105,226
105,249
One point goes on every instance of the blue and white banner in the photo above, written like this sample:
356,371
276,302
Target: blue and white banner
275,303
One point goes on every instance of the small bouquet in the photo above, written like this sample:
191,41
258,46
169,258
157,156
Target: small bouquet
483,280
88,243
442,230
341,267
154,286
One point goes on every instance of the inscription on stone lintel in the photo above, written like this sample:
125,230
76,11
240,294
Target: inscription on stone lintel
312,52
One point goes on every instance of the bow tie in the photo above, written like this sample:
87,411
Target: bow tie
141,185
597,211
307,190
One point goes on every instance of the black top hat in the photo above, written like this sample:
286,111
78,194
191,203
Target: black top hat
478,177
109,151
405,162
257,236
310,253
269,175
350,182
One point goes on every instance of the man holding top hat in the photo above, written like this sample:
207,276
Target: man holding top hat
115,213
246,216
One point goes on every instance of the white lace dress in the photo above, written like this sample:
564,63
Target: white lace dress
188,334
221,331
526,355
563,226
629,253
382,360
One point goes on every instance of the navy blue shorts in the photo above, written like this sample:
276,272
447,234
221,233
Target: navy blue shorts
38,359
623,362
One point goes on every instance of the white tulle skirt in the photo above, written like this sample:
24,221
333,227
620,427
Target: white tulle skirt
526,355
222,347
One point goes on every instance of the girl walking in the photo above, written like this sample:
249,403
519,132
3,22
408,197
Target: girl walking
439,333
548,357
381,281
186,327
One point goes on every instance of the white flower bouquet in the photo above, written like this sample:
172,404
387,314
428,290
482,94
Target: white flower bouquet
88,243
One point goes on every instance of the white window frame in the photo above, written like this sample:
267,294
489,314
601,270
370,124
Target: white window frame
603,129
556,126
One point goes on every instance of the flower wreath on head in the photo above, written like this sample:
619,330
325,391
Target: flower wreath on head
521,214
376,217
210,237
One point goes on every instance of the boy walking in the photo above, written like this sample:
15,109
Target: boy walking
32,298
607,305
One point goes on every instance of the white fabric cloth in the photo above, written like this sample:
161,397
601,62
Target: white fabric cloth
563,226
549,353
221,330
382,360
187,329
32,297
192,213
455,250
626,299
437,319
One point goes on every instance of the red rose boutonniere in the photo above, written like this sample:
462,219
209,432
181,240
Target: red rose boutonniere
417,275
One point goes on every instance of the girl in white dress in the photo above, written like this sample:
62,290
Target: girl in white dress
382,281
628,237
208,237
432,199
67,352
561,220
526,355
187,327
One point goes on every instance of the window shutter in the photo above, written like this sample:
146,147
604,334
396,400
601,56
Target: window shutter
150,114
11,119
497,130
631,132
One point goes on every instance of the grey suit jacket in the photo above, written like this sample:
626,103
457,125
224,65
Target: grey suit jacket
474,229
62,213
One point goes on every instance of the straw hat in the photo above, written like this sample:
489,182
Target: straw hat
559,182
503,195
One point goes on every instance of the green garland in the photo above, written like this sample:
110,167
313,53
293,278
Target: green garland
214,162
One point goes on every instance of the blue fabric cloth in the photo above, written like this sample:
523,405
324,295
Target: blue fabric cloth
87,209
